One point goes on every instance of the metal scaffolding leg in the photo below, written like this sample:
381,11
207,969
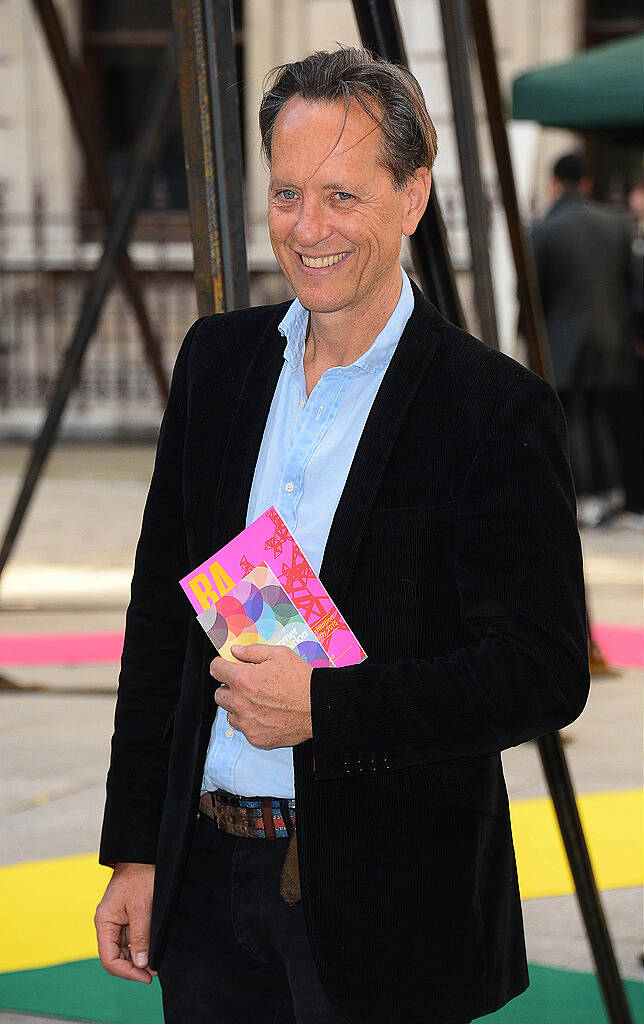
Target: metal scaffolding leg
154,128
454,16
212,148
98,180
527,285
555,769
380,32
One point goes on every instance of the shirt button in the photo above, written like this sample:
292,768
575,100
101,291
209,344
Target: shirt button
302,403
289,487
230,733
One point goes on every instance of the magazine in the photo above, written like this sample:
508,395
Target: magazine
259,611
268,543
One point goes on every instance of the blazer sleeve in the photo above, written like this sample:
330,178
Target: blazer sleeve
154,648
518,570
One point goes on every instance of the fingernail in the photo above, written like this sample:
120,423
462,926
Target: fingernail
140,959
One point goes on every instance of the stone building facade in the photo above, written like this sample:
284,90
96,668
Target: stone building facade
50,237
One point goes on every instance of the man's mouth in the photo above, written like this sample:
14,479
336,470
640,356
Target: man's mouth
322,261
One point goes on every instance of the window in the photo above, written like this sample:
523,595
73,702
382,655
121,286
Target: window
122,46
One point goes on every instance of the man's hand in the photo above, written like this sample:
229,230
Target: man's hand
266,693
122,922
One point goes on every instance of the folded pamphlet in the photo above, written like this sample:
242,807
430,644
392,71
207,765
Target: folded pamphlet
259,611
299,613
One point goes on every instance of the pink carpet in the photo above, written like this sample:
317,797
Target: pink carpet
60,648
620,645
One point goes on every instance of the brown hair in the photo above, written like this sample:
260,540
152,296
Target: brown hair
408,135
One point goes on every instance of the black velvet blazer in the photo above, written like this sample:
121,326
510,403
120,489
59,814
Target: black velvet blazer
455,558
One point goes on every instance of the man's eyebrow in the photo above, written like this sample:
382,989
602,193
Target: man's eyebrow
332,186
342,187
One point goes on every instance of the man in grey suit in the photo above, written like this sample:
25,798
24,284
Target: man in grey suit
582,252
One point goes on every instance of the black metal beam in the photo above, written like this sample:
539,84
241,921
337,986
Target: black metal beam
455,20
380,32
118,232
527,284
98,180
555,769
212,148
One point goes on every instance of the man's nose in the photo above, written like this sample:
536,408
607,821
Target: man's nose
312,225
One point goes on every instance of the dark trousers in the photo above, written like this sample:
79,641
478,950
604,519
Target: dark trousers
625,411
237,953
593,453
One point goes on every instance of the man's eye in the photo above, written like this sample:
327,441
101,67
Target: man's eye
343,196
286,193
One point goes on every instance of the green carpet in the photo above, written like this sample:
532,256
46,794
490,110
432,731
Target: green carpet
83,991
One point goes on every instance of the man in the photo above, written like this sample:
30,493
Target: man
583,257
424,475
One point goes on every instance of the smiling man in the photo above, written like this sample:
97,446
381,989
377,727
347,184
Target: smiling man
426,480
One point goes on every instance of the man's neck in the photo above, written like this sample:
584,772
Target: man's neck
339,338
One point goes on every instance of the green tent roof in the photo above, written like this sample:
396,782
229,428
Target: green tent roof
600,88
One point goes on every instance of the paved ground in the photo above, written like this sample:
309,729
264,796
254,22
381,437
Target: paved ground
70,573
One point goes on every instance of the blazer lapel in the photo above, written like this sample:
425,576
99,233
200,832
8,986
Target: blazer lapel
413,354
245,434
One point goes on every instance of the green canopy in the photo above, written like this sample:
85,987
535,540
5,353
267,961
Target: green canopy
600,88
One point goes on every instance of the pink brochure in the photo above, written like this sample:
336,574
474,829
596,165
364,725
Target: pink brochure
268,540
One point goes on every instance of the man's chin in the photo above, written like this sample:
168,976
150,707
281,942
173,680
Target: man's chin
322,307
318,300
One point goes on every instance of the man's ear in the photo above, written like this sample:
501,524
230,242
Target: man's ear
416,193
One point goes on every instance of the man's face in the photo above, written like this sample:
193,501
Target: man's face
331,202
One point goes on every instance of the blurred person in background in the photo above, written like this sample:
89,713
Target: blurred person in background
583,257
626,401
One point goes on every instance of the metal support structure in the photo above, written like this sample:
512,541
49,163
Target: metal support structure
98,180
551,752
212,149
380,32
455,20
562,793
118,233
527,284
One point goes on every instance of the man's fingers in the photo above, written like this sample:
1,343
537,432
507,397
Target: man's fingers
255,653
122,922
223,671
139,934
223,697
108,934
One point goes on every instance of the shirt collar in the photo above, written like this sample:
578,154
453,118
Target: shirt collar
295,323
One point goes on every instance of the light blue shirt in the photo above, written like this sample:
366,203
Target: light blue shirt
303,462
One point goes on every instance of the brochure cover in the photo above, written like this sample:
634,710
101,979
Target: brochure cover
259,611
268,541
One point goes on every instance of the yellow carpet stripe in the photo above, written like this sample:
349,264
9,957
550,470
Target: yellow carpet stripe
47,911
614,826
48,906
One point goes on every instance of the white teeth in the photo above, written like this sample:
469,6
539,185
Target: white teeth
323,261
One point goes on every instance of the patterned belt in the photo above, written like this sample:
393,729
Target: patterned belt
251,817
